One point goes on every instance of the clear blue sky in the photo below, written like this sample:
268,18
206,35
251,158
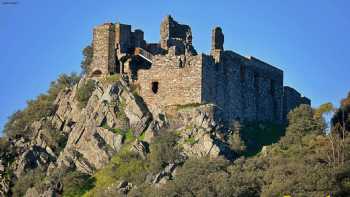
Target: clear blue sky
309,40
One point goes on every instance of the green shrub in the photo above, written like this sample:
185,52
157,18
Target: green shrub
77,183
125,165
87,58
128,135
164,150
191,141
236,143
84,93
30,179
199,177
256,135
54,138
62,82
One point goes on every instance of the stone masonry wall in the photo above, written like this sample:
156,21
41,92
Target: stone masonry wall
179,81
103,61
243,88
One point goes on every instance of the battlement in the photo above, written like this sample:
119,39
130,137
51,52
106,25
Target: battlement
171,72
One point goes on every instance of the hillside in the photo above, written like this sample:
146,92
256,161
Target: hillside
97,138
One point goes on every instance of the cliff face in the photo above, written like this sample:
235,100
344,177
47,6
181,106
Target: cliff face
114,117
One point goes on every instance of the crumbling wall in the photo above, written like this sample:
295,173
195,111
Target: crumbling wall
173,34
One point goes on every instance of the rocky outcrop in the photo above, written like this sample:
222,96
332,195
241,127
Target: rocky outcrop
35,157
199,131
92,142
96,132
4,185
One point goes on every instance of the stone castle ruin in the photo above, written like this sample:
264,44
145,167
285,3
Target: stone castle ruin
171,72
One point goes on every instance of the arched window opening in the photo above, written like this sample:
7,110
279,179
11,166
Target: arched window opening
96,73
155,87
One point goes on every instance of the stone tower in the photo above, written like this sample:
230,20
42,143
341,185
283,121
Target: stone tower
104,59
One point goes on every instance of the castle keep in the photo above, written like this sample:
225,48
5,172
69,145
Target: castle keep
171,72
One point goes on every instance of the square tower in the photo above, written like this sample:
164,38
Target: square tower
104,60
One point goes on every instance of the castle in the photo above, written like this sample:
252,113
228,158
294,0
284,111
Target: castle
171,72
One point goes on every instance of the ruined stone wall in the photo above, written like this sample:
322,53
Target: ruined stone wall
245,89
292,99
174,34
179,81
103,62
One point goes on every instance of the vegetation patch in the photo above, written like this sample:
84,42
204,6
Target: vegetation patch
31,179
127,134
191,140
77,183
257,135
125,165
84,93
110,79
42,106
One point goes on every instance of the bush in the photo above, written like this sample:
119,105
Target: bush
7,153
125,165
87,58
236,143
198,177
128,135
301,121
84,93
164,150
30,179
77,183
19,122
55,139
256,135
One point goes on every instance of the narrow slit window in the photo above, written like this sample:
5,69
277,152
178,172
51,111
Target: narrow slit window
242,73
155,87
